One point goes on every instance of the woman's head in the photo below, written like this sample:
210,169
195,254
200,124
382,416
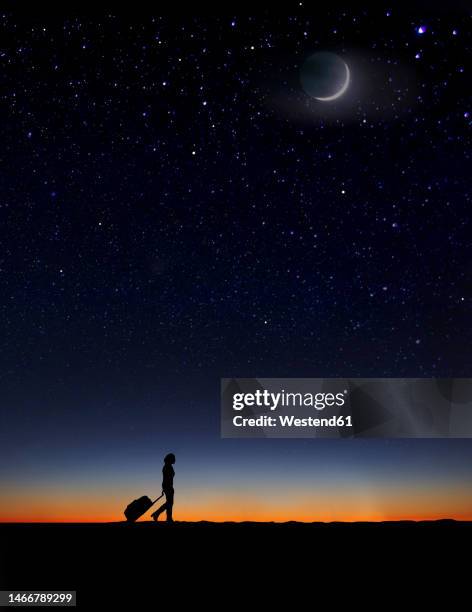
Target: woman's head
170,458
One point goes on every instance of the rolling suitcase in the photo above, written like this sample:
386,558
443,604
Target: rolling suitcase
138,507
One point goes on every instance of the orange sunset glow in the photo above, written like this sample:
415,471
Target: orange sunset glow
326,505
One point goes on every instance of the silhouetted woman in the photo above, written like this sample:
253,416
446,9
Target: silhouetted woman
168,488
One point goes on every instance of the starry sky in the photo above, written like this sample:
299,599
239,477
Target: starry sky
173,210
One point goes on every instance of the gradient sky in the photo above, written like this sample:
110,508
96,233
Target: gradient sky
246,479
173,211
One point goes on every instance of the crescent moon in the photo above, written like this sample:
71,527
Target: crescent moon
339,93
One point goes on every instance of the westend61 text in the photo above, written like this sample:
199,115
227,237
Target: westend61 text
292,421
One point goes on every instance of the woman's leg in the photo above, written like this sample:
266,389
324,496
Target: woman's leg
160,510
169,504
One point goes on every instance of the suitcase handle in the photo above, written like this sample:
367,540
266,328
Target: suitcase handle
158,498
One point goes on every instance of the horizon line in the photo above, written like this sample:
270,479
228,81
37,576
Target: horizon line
221,522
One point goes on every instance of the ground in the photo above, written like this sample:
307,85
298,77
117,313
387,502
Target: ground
148,561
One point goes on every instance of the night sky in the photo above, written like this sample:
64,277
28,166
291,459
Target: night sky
174,209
